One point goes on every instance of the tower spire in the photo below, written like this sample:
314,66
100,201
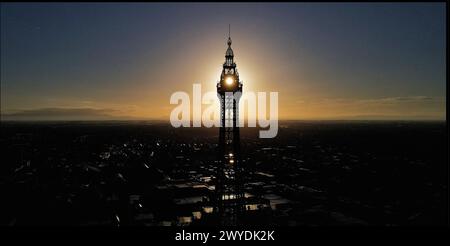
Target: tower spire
229,35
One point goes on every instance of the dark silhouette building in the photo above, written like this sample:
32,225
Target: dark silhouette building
229,185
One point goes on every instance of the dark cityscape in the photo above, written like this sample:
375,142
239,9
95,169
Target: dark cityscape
149,173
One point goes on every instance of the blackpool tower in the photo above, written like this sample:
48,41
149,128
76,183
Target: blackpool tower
229,186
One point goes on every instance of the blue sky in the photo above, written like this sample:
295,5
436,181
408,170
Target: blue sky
325,59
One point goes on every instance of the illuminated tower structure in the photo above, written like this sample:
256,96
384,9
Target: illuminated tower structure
229,186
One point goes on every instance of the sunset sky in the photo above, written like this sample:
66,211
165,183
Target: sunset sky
123,61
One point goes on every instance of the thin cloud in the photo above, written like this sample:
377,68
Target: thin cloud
400,99
60,113
402,107
382,100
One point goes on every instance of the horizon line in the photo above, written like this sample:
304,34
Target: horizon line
168,121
